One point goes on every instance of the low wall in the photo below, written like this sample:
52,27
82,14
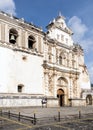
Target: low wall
19,102
78,102
26,101
52,102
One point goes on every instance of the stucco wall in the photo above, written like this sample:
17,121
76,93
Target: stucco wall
15,71
25,102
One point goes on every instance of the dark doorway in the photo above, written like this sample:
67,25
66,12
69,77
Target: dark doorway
89,100
60,95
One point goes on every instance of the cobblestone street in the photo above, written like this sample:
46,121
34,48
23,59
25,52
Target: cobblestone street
83,124
68,121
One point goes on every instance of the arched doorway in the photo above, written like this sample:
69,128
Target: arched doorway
89,100
62,91
60,95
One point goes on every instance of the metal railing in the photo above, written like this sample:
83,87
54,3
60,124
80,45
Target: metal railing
18,117
33,120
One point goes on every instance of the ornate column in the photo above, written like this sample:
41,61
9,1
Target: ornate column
70,88
55,84
46,83
77,88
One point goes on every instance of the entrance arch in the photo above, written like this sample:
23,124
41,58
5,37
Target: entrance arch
89,99
60,95
62,91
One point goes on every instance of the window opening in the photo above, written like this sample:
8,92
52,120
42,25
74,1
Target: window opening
20,87
31,42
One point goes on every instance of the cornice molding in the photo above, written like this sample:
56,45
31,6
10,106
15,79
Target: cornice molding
20,49
56,68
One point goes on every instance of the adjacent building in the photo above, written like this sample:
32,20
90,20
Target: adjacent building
36,65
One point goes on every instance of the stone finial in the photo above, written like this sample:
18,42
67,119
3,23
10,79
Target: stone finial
60,15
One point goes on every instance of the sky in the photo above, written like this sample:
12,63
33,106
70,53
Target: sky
78,14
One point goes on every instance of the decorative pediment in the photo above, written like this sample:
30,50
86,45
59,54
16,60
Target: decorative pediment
59,31
59,23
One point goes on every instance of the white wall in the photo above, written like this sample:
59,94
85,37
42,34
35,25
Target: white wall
14,71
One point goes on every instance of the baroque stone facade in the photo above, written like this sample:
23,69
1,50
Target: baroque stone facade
36,65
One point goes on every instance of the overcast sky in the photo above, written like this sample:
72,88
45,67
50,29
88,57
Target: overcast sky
78,14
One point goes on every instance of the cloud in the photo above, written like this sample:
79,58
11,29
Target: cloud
82,34
78,27
90,70
8,6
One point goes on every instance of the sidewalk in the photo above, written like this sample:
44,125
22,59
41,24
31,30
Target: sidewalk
51,112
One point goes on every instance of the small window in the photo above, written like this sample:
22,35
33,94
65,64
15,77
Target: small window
20,87
31,42
60,60
13,34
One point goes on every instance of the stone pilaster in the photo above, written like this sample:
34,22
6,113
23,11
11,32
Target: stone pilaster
6,33
23,38
19,42
3,32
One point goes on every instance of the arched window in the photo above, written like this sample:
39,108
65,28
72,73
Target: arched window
20,88
13,34
89,99
31,42
62,59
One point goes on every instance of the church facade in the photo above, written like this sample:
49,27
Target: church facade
36,65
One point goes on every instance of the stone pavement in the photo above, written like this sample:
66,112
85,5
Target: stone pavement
50,112
70,123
